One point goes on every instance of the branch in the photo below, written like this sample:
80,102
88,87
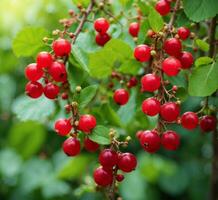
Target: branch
173,17
212,32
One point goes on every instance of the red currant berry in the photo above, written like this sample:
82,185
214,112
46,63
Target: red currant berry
90,145
132,82
208,123
170,111
139,134
102,177
150,141
64,96
121,96
173,47
174,88
171,66
150,33
102,39
142,53
58,72
101,25
33,72
51,90
186,60
34,89
170,140
151,106
127,162
61,47
44,59
150,82
87,123
189,120
71,146
108,158
134,29
63,127
162,7
183,33
119,177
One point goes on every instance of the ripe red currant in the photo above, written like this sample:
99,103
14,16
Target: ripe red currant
87,123
150,82
71,146
173,47
127,162
58,72
102,177
51,90
44,59
189,120
171,66
61,47
142,53
170,111
150,141
134,29
33,72
64,96
183,33
63,127
90,145
162,7
186,59
119,177
132,82
151,106
208,123
101,25
34,89
170,140
108,158
102,39
121,96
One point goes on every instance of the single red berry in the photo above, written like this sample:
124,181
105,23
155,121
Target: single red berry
151,106
127,162
102,177
173,47
170,140
108,158
208,123
174,88
171,66
186,59
101,25
170,111
61,47
86,123
119,177
132,82
90,145
121,96
189,120
63,127
150,141
134,29
34,89
71,146
33,72
150,82
162,7
150,33
102,39
51,90
64,96
183,33
44,59
142,53
58,72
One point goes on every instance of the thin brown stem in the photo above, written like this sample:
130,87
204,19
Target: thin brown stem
173,17
212,32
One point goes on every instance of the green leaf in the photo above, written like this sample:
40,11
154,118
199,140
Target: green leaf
83,2
203,61
155,20
199,10
27,138
100,134
204,46
29,41
26,108
130,66
87,94
144,7
203,80
144,27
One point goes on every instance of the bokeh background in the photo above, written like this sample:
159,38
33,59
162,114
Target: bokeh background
32,165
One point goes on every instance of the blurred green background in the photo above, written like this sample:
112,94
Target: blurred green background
32,165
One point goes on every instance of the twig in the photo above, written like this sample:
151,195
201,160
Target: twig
173,17
212,32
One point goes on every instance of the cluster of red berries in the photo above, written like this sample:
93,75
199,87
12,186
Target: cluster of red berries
49,68
101,25
111,162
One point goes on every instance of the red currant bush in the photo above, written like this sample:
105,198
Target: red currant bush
87,123
71,146
121,96
151,106
170,140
